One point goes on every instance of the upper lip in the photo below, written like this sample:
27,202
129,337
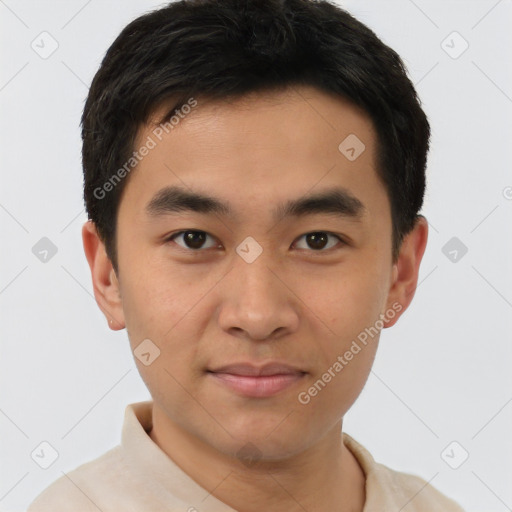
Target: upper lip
249,369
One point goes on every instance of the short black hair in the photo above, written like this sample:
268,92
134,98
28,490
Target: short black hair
225,49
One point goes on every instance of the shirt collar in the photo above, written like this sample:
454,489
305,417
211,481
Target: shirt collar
153,465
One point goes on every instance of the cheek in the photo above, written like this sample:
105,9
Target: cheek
154,297
354,306
167,309
351,302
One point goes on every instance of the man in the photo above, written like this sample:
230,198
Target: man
253,175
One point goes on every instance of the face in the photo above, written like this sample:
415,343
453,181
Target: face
256,297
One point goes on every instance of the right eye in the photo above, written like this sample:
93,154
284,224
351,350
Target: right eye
193,240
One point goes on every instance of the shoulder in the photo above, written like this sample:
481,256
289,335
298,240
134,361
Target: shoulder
81,489
416,492
387,488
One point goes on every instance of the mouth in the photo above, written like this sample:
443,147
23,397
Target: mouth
257,381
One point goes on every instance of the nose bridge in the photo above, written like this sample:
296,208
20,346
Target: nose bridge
254,298
255,283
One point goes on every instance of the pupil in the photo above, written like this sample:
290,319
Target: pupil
194,239
315,238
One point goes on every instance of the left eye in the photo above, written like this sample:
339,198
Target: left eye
194,240
318,240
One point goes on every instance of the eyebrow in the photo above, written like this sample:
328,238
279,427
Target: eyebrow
337,201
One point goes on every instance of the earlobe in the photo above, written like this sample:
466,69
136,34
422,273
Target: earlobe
406,270
104,279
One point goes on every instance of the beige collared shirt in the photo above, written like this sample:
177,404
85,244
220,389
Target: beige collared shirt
137,476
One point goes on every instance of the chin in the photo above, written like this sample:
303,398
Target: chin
259,441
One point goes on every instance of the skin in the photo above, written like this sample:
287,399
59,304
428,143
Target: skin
293,304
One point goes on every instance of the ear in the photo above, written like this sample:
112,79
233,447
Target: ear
405,271
104,279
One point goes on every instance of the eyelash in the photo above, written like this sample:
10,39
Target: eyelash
172,237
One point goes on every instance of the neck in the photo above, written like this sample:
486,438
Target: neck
326,476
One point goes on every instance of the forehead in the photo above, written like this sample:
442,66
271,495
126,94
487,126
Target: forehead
261,147
280,110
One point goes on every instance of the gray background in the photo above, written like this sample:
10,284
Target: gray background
442,374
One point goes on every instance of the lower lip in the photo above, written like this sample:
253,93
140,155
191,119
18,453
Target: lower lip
258,386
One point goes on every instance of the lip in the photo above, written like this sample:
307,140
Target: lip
257,381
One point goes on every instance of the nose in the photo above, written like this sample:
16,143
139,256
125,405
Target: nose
257,303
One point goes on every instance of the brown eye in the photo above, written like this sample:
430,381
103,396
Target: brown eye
318,240
192,239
